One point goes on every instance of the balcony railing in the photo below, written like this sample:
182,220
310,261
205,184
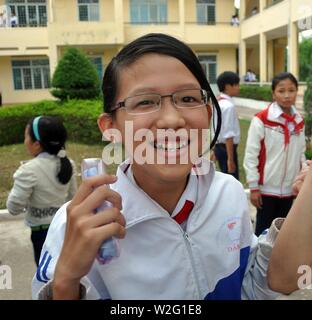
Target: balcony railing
207,23
26,25
273,3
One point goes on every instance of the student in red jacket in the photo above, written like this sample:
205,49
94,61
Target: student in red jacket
275,152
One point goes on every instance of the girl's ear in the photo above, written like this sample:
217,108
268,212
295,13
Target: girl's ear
37,146
106,125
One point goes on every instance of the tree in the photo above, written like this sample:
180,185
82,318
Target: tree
75,77
305,58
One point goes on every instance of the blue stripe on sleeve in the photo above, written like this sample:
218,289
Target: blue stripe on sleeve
229,288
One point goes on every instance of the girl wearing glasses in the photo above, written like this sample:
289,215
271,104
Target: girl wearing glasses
185,229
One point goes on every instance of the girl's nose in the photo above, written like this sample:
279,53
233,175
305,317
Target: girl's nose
169,115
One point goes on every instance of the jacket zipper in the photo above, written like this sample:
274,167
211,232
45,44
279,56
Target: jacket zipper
187,244
189,249
285,169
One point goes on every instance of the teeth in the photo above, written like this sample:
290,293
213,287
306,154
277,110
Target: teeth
171,146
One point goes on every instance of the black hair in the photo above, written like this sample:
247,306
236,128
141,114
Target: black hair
283,76
227,77
53,135
160,44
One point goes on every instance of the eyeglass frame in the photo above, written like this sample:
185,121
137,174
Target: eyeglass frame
121,104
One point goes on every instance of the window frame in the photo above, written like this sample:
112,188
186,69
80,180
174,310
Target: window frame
88,4
149,4
31,67
204,8
13,6
207,63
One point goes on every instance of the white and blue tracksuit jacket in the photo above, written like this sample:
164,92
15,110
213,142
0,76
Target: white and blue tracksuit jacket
216,257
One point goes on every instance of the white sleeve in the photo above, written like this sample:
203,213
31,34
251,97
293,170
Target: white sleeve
24,181
253,146
255,285
72,183
92,285
303,150
228,122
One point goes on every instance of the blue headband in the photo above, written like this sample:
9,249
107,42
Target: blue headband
35,128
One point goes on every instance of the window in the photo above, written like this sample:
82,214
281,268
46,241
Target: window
148,11
31,74
29,13
206,11
88,10
97,62
209,64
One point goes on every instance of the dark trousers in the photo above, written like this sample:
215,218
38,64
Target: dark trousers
272,207
221,155
37,239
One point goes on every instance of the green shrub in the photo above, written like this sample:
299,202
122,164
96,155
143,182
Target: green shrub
307,104
75,77
308,154
255,92
78,116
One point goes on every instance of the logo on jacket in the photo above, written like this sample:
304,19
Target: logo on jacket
229,234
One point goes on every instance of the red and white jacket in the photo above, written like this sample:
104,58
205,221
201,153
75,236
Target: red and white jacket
274,151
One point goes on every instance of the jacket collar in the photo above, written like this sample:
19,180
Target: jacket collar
139,207
275,112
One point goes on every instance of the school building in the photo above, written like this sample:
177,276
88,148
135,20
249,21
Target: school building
35,33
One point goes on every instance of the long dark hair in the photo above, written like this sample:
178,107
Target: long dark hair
161,44
52,135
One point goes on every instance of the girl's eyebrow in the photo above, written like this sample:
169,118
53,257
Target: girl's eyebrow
142,90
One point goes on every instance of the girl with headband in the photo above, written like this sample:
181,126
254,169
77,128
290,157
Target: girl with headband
43,184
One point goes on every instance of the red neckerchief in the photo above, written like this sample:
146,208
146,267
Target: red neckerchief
182,216
289,119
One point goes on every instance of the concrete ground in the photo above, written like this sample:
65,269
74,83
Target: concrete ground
16,252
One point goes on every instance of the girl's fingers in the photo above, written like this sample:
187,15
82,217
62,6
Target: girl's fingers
96,199
88,185
113,229
111,215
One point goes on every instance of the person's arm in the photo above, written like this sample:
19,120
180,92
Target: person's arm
24,181
228,123
293,245
72,183
229,144
251,159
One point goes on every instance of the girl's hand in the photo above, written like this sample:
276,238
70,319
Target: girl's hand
85,232
256,199
300,178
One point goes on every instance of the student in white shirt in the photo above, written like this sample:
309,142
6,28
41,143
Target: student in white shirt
226,147
43,184
185,230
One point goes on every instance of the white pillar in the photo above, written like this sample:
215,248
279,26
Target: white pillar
182,17
293,63
242,59
263,57
270,60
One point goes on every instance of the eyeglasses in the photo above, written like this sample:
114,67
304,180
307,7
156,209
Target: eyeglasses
148,103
